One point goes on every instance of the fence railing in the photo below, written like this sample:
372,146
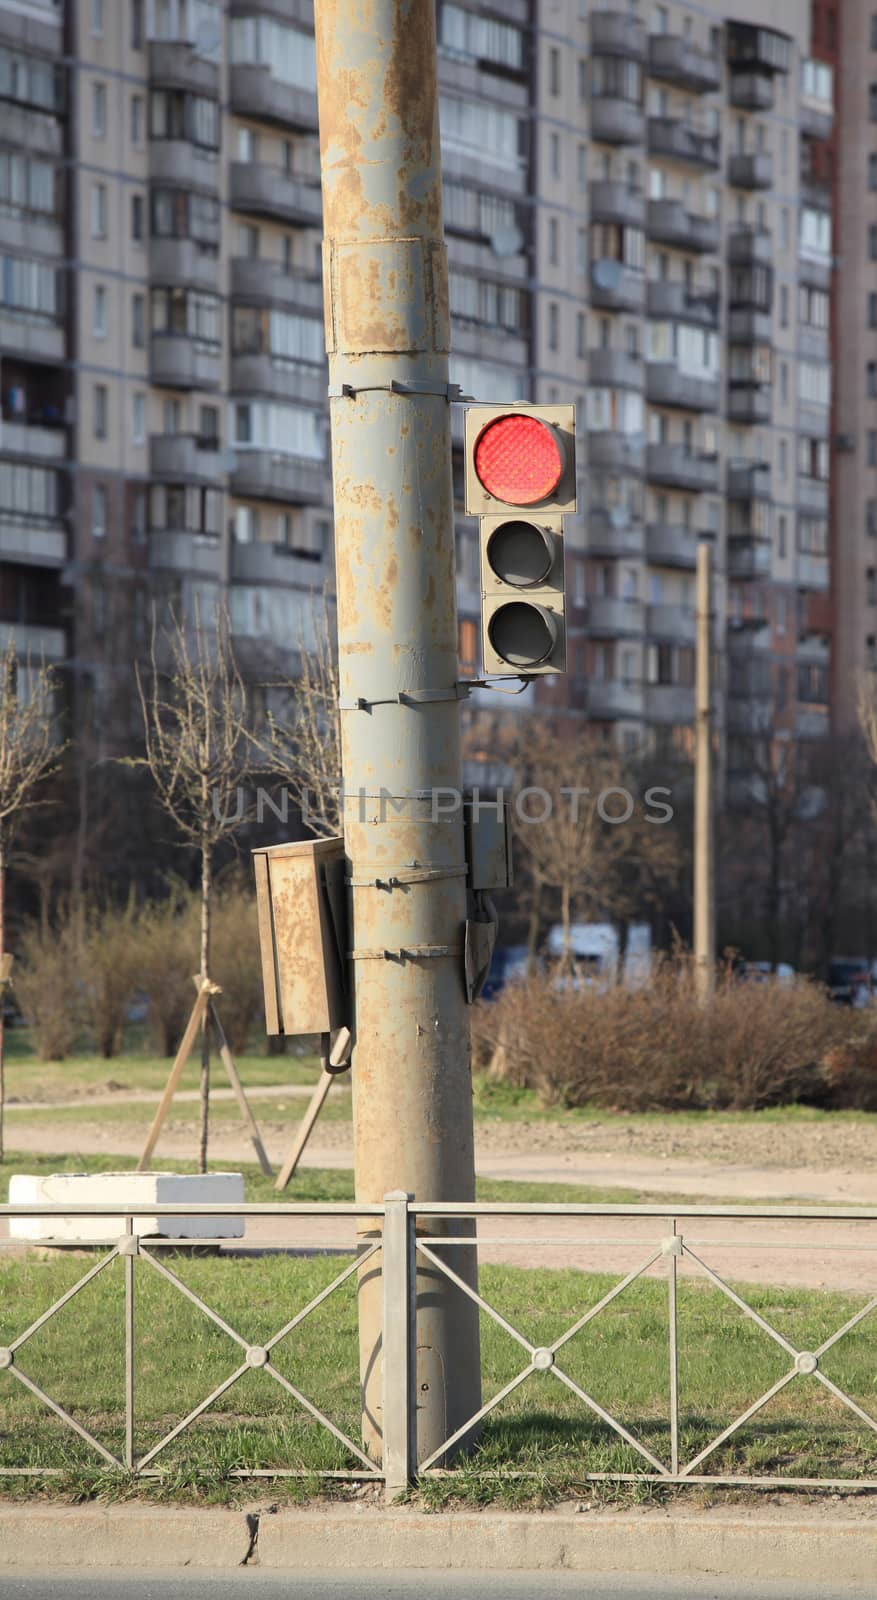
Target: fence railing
403,1247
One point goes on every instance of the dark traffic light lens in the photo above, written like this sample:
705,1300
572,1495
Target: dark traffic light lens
521,553
519,459
522,634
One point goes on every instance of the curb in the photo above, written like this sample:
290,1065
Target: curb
660,1544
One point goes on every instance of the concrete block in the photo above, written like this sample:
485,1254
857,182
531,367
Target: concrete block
124,1188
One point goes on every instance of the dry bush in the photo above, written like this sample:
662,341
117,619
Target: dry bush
236,964
657,1049
851,1075
47,988
111,973
168,950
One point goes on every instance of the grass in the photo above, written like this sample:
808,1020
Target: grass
541,1429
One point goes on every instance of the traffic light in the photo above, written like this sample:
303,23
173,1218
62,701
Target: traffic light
520,479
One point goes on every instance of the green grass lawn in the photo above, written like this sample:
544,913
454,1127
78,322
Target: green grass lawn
542,1429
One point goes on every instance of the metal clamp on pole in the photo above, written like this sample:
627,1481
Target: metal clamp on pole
409,697
411,952
400,880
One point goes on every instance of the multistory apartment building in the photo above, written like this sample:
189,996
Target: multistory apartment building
637,216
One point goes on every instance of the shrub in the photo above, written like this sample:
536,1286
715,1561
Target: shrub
236,963
111,972
48,990
657,1048
168,950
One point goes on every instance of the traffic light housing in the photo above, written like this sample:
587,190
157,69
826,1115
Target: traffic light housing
520,480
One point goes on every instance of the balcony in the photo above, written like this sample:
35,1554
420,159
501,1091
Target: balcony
814,344
254,93
678,141
615,202
812,723
669,702
615,369
813,572
609,618
264,191
174,65
608,700
31,235
746,325
617,121
184,456
814,420
34,640
748,480
669,544
260,282
616,451
178,362
749,247
184,551
264,374
749,402
678,468
613,34
815,119
32,542
674,622
265,475
669,223
815,270
747,560
615,287
182,165
29,439
669,298
260,562
751,170
813,496
608,536
748,637
182,262
34,338
673,59
667,386
751,91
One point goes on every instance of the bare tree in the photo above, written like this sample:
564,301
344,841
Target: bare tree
197,750
29,751
303,750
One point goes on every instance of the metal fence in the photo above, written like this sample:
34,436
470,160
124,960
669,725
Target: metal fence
404,1246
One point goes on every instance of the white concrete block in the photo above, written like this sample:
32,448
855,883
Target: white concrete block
125,1188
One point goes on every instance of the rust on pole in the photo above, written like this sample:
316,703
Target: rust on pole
387,337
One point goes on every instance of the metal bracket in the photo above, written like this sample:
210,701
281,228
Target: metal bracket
129,1244
447,391
405,697
412,875
672,1246
410,952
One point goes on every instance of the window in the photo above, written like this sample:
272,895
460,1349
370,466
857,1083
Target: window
285,429
814,307
871,447
553,325
138,516
137,218
485,130
871,380
874,30
783,460
615,78
208,425
98,211
101,410
136,24
582,166
554,71
553,241
246,524
138,321
96,13
614,411
461,33
188,313
872,242
99,511
872,171
613,241
99,110
871,517
813,458
29,491
248,240
581,335
872,102
99,320
784,305
815,234
176,115
248,144
582,78
554,154
138,118
814,383
138,418
27,184
782,536
29,285
813,536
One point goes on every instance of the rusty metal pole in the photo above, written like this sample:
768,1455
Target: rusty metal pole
704,873
387,336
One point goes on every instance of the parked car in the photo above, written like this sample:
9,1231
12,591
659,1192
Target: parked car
509,965
595,952
763,971
850,981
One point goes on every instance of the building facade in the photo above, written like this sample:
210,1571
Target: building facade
638,215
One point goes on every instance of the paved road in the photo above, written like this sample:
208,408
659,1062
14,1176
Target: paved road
418,1585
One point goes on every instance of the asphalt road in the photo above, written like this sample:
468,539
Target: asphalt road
415,1585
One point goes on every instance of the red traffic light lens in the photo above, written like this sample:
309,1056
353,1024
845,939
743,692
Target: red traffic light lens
519,459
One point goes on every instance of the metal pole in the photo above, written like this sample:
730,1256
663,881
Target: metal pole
704,879
387,337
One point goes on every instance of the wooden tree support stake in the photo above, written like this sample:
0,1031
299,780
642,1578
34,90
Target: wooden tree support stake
204,1003
333,1062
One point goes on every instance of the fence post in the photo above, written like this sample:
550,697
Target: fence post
397,1272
